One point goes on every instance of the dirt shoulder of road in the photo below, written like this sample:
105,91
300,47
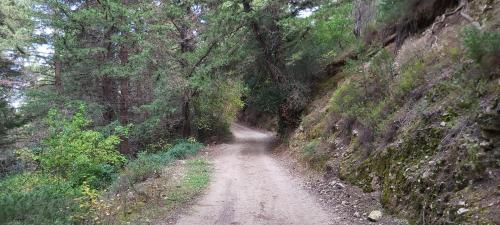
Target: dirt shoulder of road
191,186
348,202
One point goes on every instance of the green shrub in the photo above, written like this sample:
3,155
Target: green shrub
379,113
310,148
217,105
390,9
159,146
184,148
77,154
411,76
33,198
364,95
147,164
347,98
333,35
484,49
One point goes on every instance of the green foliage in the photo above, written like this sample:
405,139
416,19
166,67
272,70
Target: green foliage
364,95
411,76
371,95
217,105
484,48
33,198
78,154
184,148
147,164
68,197
299,48
16,26
159,146
330,34
15,31
347,98
381,68
166,197
310,148
195,180
265,96
377,113
392,9
8,119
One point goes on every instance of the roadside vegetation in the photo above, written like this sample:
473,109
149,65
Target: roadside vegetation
74,166
415,124
104,104
157,198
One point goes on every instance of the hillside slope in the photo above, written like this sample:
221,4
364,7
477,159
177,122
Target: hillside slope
418,124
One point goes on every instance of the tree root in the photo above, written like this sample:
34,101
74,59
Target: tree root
460,7
471,20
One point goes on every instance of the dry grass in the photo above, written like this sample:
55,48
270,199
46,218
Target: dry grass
436,88
159,197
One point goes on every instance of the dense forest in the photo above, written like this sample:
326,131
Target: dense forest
399,97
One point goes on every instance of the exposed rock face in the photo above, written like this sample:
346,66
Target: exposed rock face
489,121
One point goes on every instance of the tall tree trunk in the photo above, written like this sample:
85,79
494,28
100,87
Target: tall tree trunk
187,45
124,101
124,95
57,72
364,13
108,90
186,113
107,93
124,119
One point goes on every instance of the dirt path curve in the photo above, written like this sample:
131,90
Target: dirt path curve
250,187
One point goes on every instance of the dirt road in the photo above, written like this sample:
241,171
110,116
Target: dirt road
250,187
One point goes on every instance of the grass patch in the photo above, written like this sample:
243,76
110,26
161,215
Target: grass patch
149,164
310,148
411,77
195,180
484,49
158,198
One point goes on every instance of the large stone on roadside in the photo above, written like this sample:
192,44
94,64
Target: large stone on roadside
375,215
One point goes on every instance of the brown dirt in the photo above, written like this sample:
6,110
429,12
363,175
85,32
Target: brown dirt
251,186
349,203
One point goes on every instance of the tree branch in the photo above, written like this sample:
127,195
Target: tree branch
209,50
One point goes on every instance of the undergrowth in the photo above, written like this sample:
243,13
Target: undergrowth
74,166
148,164
414,126
484,48
195,180
34,198
159,197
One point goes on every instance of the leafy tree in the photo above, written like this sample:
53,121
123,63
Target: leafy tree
291,51
139,62
15,36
